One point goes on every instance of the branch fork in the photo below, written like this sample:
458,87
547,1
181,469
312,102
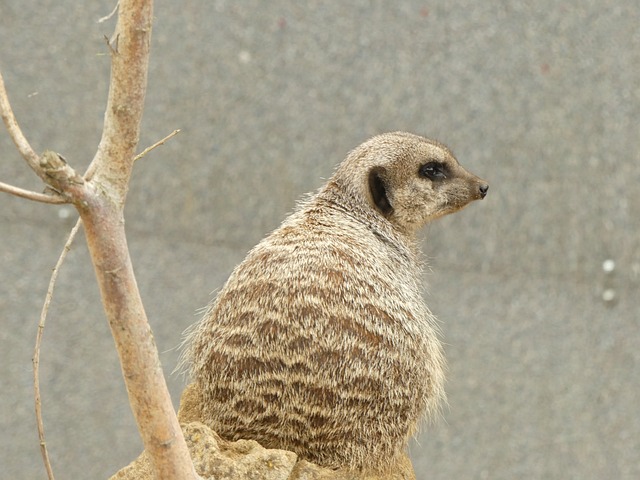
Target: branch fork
59,175
99,197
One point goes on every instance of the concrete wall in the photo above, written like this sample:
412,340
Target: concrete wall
543,101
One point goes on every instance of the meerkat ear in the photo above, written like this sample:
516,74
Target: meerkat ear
378,190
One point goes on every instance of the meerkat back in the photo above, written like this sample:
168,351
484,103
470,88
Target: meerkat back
320,342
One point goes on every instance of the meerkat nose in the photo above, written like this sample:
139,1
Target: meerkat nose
483,190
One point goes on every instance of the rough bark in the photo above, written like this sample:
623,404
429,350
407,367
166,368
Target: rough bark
99,196
102,213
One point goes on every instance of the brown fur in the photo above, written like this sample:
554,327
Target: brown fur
320,341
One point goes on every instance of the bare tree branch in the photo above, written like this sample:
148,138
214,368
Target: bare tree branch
13,128
99,197
155,145
129,65
103,219
36,353
58,174
113,12
38,197
51,168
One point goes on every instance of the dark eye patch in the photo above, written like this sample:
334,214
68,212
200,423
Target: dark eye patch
434,170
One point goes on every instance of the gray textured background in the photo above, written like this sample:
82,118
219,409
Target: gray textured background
541,101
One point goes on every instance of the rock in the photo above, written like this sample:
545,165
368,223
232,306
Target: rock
219,459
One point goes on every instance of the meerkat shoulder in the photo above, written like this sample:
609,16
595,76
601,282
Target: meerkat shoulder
320,341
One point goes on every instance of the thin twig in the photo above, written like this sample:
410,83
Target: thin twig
157,144
13,128
51,167
35,196
92,167
113,12
36,353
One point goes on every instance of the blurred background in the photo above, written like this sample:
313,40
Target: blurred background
537,287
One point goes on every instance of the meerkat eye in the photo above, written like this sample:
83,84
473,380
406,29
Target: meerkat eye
433,171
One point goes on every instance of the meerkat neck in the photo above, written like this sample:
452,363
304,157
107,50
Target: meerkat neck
356,207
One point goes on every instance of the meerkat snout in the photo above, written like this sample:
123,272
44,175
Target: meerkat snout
483,190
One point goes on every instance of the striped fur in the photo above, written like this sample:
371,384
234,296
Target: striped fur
320,341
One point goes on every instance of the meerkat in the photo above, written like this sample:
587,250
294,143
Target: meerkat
320,342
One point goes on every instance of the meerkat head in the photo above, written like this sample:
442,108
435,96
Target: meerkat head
409,180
